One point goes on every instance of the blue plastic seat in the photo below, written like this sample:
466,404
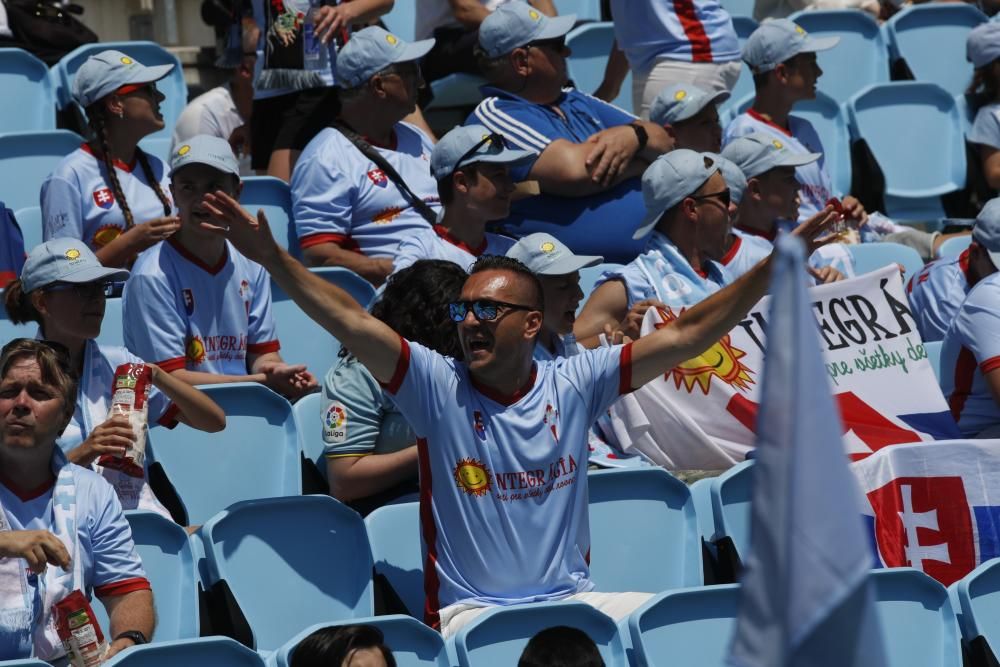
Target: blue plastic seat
402,20
256,456
916,173
9,331
741,8
27,662
158,146
859,60
918,623
112,328
953,247
413,644
590,45
25,82
744,27
585,10
933,350
29,219
394,531
290,563
498,636
215,651
874,256
274,197
701,493
931,39
307,424
731,493
978,595
456,90
27,159
643,531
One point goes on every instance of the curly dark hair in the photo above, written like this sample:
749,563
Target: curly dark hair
503,263
415,304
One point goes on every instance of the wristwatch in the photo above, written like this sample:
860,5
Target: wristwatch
136,636
640,134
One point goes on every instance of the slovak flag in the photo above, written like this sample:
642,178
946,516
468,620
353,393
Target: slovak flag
934,506
104,198
378,177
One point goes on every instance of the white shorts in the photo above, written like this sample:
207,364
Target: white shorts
708,76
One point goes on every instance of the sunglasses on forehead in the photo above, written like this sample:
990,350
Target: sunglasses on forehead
484,310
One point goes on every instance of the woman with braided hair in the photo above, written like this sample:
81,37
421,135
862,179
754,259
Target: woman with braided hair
110,193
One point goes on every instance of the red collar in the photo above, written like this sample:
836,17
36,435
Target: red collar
186,254
447,236
118,163
767,121
29,494
963,264
733,249
505,399
770,236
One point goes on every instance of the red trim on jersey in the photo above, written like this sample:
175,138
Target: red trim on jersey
432,585
965,372
625,370
186,254
264,348
701,272
990,365
506,399
402,365
963,264
758,232
171,365
345,242
122,587
29,494
446,235
701,46
169,418
118,163
733,250
6,277
767,121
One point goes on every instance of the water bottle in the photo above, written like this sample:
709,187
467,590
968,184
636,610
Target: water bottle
315,56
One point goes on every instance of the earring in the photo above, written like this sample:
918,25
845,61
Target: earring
121,114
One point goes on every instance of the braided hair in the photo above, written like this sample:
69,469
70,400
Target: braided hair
97,119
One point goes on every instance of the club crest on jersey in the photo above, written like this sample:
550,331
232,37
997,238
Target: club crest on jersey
472,476
378,177
104,198
477,424
188,296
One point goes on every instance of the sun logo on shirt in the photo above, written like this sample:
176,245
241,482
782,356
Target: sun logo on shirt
106,234
196,350
722,361
472,476
680,95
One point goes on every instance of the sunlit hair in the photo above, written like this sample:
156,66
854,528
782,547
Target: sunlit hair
53,360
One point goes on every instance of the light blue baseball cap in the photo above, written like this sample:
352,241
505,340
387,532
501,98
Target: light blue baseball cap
470,144
778,40
986,231
757,153
517,23
983,44
371,50
681,101
735,179
205,149
107,71
672,177
546,255
65,260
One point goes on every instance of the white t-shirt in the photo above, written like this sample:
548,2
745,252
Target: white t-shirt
433,14
213,113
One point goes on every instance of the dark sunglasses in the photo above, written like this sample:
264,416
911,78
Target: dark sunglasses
556,44
496,145
85,290
147,88
723,196
483,309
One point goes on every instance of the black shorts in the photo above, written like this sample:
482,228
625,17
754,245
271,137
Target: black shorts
290,121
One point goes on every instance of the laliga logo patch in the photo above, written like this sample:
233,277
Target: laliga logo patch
547,247
680,95
335,423
777,144
391,39
472,476
478,426
183,150
104,198
72,254
188,296
378,177
533,15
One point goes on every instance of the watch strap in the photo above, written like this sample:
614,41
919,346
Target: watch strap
135,635
640,134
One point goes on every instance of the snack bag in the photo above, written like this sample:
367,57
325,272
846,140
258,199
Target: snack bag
842,229
130,397
79,631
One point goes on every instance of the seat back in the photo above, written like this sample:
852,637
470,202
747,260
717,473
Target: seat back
979,598
731,493
498,636
830,121
27,159
402,20
290,563
273,196
743,89
918,623
739,8
310,430
874,256
585,10
256,456
953,247
25,79
29,219
394,531
685,628
859,60
643,531
931,39
215,651
590,45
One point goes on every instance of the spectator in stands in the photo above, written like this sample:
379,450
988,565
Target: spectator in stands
937,292
983,49
11,247
350,209
505,491
561,646
80,532
194,304
63,289
371,452
472,168
344,646
110,193
691,116
585,147
666,43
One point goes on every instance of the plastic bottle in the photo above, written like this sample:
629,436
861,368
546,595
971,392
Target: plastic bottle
315,55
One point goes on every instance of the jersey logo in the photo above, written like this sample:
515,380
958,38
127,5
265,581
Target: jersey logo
472,476
385,216
477,424
378,177
335,423
106,234
551,418
104,198
196,350
188,297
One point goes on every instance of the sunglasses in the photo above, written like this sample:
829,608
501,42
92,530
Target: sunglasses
556,44
483,309
494,140
147,88
85,290
724,196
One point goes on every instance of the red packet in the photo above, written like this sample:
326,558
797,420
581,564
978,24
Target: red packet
79,631
130,398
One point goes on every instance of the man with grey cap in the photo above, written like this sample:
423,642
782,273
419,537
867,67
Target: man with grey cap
349,211
472,168
588,153
690,115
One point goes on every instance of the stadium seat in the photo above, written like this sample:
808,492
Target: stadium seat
31,100
918,622
590,45
731,492
933,350
916,173
9,331
701,493
215,651
744,26
158,146
256,456
288,563
589,276
643,531
498,636
931,38
413,644
29,219
978,595
685,628
27,662
307,425
402,20
859,60
953,247
873,256
394,531
27,159
112,328
739,8
273,196
585,10
456,90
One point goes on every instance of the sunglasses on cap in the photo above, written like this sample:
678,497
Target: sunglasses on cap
494,140
484,310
